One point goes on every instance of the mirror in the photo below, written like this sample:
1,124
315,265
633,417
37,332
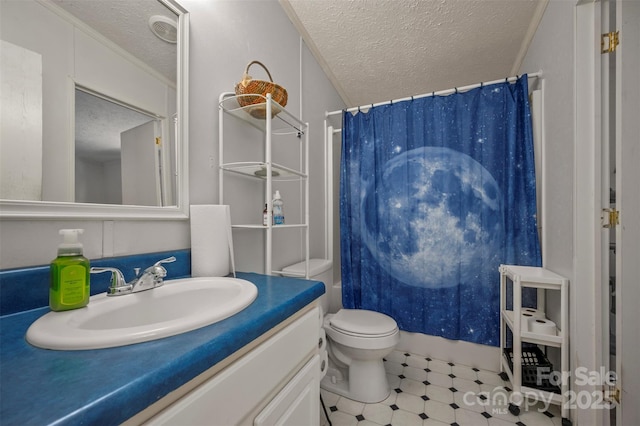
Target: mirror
117,143
95,123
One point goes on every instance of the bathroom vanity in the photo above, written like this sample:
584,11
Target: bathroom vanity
256,367
278,382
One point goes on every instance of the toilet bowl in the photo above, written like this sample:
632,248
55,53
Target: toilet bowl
357,342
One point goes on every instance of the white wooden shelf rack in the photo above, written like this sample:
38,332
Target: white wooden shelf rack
543,280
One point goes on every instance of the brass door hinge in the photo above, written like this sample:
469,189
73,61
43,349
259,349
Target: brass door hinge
158,140
612,42
611,394
610,218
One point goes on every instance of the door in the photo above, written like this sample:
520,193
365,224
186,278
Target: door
627,235
621,240
140,156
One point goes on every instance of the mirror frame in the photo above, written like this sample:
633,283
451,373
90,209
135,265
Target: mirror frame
18,209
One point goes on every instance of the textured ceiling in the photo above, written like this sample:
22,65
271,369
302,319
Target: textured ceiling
98,124
126,23
379,50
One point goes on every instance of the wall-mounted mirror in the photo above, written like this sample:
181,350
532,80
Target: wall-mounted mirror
94,123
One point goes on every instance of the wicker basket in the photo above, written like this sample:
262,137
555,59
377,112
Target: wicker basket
249,86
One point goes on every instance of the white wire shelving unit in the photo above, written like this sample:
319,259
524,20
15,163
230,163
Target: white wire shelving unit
273,121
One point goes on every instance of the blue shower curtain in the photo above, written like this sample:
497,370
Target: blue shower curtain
436,193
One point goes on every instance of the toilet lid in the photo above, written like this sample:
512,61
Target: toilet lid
363,322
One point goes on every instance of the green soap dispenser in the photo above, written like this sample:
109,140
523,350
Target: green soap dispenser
69,272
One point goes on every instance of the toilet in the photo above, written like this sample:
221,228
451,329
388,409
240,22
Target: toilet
357,342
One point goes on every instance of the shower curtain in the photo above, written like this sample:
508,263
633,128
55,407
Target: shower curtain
436,193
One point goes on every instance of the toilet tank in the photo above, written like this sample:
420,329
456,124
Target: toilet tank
319,270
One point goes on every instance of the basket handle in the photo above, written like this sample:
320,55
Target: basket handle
246,77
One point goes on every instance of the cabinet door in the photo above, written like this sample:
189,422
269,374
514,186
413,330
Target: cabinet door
298,403
227,398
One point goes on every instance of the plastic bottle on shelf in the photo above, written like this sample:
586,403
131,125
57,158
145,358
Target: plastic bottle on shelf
278,209
265,215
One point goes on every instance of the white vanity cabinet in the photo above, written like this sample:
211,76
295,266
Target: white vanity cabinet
277,382
297,403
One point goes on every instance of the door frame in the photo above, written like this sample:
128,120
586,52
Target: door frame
590,323
586,327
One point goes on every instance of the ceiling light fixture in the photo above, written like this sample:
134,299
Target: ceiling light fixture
164,28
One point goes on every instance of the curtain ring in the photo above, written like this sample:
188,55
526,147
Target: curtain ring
481,84
456,90
391,102
411,98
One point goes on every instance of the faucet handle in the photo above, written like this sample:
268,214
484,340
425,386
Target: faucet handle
118,283
158,270
167,260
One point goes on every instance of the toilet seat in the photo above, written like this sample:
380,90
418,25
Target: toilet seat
363,323
362,329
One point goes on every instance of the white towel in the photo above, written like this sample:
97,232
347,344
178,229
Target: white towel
211,241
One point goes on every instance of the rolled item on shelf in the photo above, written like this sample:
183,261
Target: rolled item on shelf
525,319
543,326
534,312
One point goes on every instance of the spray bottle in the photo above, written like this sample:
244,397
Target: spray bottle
69,274
278,209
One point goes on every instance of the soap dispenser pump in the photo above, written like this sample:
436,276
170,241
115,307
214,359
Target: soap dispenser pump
69,274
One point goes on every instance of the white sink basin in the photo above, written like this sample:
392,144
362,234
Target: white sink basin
178,306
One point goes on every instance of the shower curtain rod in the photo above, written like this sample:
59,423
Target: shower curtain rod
441,92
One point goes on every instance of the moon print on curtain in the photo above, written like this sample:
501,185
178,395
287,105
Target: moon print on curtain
436,193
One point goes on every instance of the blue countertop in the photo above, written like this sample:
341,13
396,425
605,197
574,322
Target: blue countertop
108,386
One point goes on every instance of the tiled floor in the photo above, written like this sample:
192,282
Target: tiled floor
429,392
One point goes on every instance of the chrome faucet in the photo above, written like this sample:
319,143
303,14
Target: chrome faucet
152,277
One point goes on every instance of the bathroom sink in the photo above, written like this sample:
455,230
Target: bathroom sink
178,306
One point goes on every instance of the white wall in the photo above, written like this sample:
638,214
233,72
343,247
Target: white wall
98,182
21,120
225,36
556,29
113,182
56,66
555,49
552,52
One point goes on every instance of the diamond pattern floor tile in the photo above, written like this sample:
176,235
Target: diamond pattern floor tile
431,392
